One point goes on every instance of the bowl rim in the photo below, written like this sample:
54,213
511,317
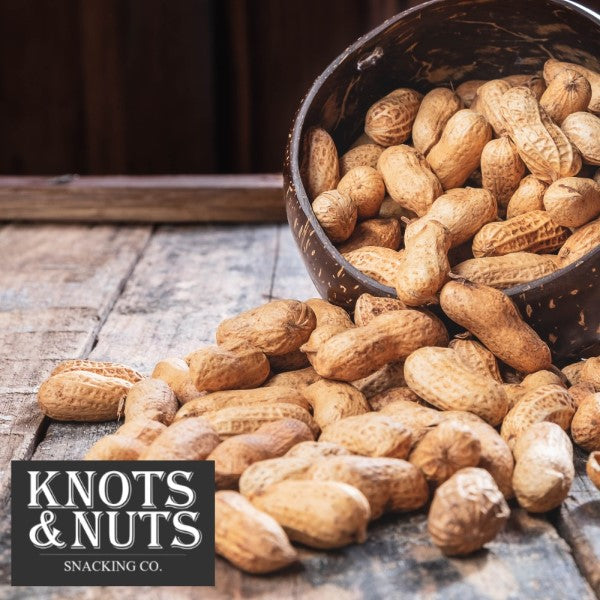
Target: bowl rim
295,149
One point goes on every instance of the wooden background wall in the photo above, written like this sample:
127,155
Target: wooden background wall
163,86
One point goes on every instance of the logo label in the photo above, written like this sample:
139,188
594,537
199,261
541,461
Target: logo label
113,523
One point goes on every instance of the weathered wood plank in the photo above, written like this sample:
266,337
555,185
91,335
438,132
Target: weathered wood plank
148,199
57,285
578,521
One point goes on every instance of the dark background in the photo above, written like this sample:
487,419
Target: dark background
164,86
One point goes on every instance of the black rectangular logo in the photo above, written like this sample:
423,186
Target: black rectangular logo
113,523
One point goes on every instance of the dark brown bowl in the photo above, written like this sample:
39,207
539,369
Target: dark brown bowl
441,42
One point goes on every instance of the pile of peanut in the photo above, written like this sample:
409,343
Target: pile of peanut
318,423
487,190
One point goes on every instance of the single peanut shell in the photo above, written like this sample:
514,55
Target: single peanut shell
363,155
505,271
553,67
320,165
590,372
151,399
365,188
329,314
275,328
258,477
82,396
249,538
336,213
458,152
368,306
573,201
584,240
501,169
580,391
409,179
216,368
389,121
378,263
573,372
443,451
488,103
540,378
544,468
176,373
334,400
467,511
439,376
358,352
188,439
319,514
585,426
385,233
370,434
299,379
492,317
115,447
434,112
527,197
551,403
567,93
108,369
463,211
583,130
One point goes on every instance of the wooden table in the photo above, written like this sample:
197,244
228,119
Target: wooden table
137,293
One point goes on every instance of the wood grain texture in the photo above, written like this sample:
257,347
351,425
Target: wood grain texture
578,521
188,279
151,199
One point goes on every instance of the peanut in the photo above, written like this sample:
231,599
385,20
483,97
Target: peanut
458,152
504,271
320,164
367,307
389,121
573,372
215,368
590,372
418,419
468,510
567,93
477,357
546,403
235,454
444,450
82,396
259,396
370,434
580,391
151,399
385,233
501,169
364,155
329,314
408,178
249,538
573,201
439,376
424,267
593,468
176,373
318,337
319,514
584,240
358,352
236,420
583,130
527,197
463,211
299,379
544,148
108,369
275,328
334,400
492,317
378,263
488,103
389,484
585,426
381,400
540,378
189,439
258,477
534,231
336,213
365,188
553,67
543,467
436,108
